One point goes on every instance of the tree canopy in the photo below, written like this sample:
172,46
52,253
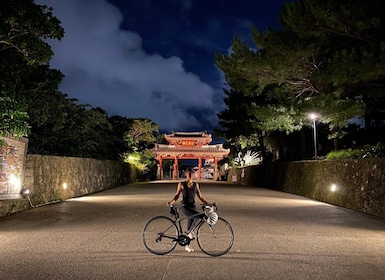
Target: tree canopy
328,57
31,103
24,26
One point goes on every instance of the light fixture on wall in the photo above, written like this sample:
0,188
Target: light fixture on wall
26,193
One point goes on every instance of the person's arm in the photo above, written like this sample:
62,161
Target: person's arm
178,191
200,196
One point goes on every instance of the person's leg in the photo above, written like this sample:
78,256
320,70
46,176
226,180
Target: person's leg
189,211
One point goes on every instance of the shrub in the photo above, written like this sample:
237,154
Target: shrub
366,152
345,154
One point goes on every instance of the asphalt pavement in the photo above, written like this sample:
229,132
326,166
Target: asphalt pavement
277,236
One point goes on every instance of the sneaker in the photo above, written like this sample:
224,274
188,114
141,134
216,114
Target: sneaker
191,235
188,248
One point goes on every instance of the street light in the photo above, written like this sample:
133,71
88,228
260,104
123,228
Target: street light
314,116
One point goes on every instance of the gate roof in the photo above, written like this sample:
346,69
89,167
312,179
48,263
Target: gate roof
189,145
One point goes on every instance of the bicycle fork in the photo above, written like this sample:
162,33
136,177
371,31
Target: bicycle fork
212,230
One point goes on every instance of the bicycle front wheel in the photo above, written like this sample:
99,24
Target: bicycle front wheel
215,240
159,235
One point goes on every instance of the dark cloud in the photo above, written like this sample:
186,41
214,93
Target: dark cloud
150,58
107,67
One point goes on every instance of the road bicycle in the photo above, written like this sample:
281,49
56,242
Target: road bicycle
214,235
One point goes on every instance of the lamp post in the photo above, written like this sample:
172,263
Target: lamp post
314,117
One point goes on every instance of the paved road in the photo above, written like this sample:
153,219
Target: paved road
277,236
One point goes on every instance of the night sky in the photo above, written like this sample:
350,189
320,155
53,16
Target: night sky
153,58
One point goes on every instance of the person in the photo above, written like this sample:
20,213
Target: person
189,189
222,173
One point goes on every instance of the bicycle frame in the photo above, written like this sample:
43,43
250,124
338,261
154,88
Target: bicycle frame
183,239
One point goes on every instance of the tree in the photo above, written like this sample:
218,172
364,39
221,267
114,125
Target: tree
13,120
24,26
328,57
29,92
120,126
238,125
61,127
135,138
350,37
86,133
142,135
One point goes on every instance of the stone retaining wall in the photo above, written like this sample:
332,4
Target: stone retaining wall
52,178
359,184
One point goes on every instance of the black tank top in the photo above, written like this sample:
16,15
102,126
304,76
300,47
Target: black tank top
189,194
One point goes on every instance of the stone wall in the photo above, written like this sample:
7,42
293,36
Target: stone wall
359,184
9,206
51,179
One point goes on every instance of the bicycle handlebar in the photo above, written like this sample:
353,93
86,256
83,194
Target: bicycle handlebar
213,205
210,206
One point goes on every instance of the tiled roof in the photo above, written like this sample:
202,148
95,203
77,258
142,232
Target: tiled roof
181,138
206,150
198,138
189,134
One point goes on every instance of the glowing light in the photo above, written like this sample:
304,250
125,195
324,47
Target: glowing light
26,192
313,116
14,181
65,185
333,187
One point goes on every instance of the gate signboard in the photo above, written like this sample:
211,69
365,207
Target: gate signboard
12,164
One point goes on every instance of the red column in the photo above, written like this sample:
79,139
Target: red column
160,168
199,168
176,171
215,169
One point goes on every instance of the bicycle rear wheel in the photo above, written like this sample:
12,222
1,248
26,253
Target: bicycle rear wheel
215,240
159,235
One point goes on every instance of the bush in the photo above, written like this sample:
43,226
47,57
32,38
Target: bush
345,154
366,152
